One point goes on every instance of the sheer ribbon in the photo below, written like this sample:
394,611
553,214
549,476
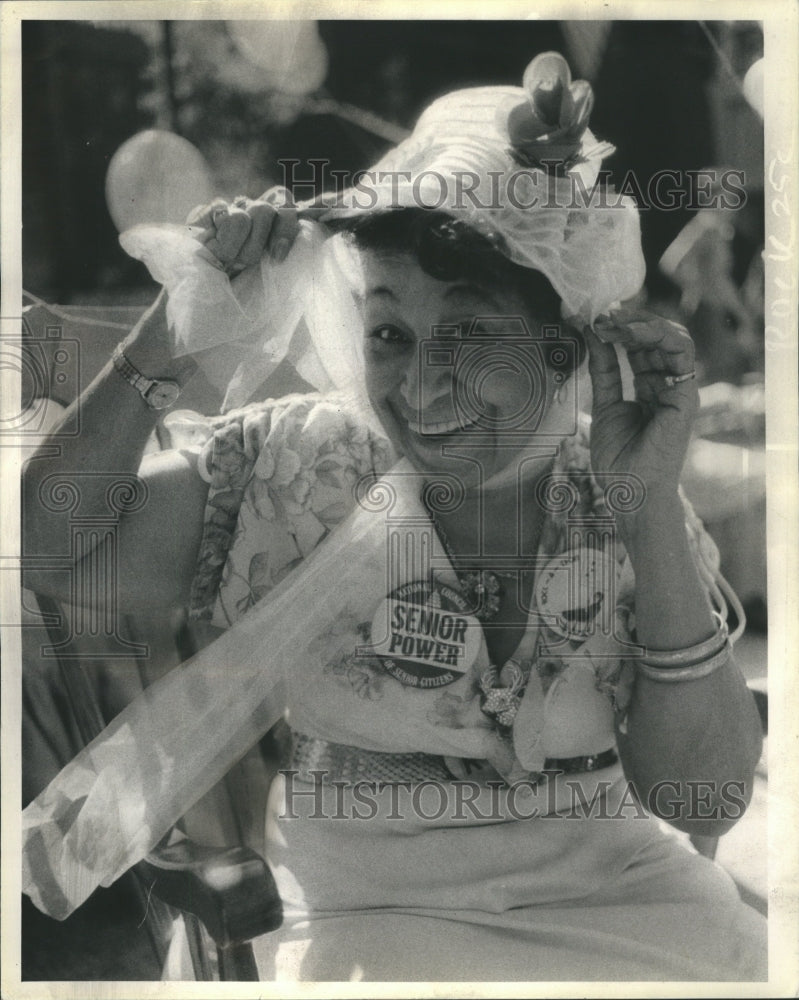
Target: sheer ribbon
301,309
123,792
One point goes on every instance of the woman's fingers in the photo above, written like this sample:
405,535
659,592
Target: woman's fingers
670,339
262,217
283,234
203,215
238,235
286,226
649,387
651,342
673,355
644,360
273,227
664,378
603,367
232,230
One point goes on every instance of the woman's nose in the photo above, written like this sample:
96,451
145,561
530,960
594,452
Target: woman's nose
424,383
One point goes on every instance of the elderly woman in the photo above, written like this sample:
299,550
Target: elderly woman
501,648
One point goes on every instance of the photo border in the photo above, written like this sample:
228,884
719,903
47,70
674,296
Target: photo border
781,181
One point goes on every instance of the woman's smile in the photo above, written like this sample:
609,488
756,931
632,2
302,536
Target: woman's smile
439,428
441,421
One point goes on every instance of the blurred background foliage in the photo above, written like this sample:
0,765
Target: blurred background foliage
668,95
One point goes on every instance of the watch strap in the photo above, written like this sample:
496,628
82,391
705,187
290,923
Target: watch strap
143,385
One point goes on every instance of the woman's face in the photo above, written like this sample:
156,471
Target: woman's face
453,375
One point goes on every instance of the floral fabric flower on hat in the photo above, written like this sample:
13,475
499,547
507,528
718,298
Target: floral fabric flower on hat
548,129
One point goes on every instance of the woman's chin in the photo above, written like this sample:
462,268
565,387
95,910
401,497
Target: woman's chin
477,466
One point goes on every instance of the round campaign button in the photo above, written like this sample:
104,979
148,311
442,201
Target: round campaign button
572,591
423,636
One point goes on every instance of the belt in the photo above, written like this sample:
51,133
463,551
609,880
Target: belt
338,762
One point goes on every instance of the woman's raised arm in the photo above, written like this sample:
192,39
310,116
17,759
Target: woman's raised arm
691,746
157,543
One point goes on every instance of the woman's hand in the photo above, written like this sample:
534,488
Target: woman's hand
238,235
647,437
682,735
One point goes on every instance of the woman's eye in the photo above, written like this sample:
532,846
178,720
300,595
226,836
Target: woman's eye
387,334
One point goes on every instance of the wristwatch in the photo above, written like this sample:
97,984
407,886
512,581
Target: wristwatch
157,393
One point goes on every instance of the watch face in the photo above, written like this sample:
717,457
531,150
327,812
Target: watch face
162,394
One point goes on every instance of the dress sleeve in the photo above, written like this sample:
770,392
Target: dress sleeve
281,475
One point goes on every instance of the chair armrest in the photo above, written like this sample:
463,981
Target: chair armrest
231,890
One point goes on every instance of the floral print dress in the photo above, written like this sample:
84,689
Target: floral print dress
281,476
